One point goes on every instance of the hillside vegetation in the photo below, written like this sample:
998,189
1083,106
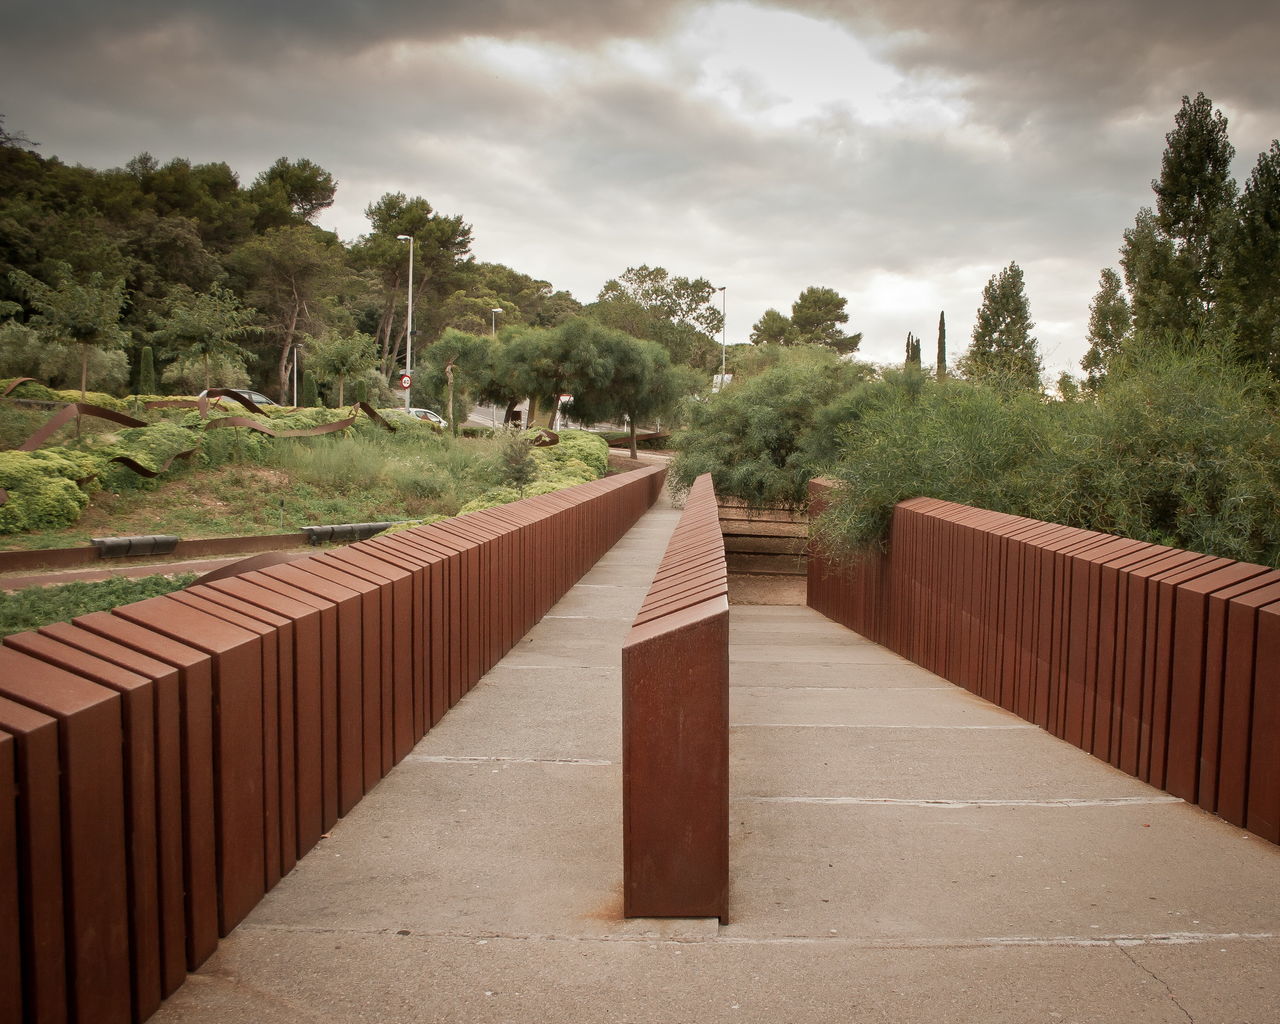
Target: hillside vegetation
236,482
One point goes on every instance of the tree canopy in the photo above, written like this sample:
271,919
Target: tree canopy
1003,347
818,317
1110,321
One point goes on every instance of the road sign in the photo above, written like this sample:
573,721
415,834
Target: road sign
406,381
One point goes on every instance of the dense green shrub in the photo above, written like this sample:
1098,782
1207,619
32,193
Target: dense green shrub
952,440
751,436
98,398
43,489
506,495
1181,450
153,447
575,445
32,390
579,458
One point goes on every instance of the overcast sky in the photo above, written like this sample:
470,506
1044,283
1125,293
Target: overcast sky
899,151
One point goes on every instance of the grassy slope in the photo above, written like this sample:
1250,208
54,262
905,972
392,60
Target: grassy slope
231,501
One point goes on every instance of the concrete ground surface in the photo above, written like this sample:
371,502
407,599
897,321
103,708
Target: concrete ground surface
901,851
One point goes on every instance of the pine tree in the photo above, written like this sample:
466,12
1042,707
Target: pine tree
1110,320
1003,349
1252,290
1173,257
942,345
146,372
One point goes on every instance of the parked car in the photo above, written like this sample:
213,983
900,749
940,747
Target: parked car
256,397
429,415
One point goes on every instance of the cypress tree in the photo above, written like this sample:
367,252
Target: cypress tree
310,394
942,345
147,372
913,350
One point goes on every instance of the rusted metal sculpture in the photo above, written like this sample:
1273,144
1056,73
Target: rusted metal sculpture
675,727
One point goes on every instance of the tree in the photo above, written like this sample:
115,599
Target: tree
205,325
524,299
751,436
519,469
337,357
1110,320
1253,265
771,329
147,372
310,393
291,191
679,299
942,346
441,257
574,358
17,140
87,315
457,369
1173,257
1003,348
913,351
679,313
289,272
818,317
642,383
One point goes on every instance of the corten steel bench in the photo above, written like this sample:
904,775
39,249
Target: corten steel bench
162,766
675,727
1164,663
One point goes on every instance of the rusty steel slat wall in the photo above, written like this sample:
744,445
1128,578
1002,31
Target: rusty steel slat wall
164,765
1164,663
675,727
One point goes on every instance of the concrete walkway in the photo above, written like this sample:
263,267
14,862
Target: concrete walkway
901,851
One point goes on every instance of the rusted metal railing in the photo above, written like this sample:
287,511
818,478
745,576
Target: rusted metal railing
1164,663
163,765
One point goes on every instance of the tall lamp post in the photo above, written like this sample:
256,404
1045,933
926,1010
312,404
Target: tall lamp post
408,337
493,321
724,326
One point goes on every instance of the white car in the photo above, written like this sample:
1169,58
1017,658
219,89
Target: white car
430,415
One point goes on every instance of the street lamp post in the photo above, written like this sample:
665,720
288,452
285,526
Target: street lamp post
493,321
408,337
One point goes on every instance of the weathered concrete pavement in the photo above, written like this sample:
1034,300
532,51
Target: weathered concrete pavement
901,851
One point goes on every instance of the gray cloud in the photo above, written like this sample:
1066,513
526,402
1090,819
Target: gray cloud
574,175
335,25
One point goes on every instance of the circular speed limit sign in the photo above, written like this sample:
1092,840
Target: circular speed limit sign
405,381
